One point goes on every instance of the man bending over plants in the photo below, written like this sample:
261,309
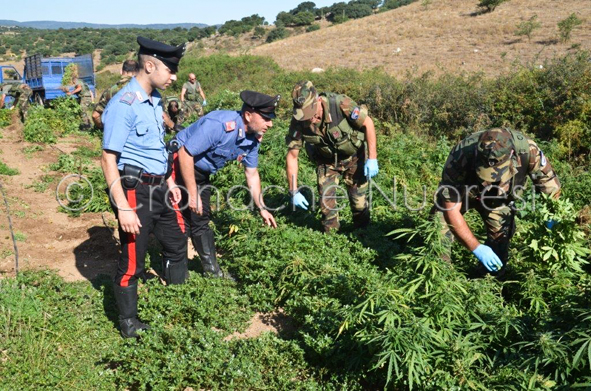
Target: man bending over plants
335,131
207,145
487,171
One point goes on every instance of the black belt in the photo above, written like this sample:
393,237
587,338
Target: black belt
153,180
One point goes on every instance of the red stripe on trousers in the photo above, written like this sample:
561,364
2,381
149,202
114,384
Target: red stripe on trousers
131,253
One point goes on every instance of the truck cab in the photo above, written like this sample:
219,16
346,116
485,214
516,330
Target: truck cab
44,75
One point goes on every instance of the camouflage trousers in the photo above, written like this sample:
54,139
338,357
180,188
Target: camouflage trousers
193,107
499,223
350,172
86,106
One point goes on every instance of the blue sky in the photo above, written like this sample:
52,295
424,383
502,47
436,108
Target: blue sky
146,11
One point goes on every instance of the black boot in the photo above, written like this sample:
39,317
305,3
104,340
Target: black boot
175,272
205,246
126,298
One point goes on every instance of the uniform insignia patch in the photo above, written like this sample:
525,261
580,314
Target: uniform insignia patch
230,126
139,95
240,132
543,160
355,113
127,98
336,134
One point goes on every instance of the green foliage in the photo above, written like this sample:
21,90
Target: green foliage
235,28
490,5
259,32
46,125
277,33
5,117
5,170
70,71
527,28
562,248
566,26
313,27
393,4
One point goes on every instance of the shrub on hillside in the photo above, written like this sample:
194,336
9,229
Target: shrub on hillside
526,28
46,125
393,4
276,34
566,26
5,117
490,5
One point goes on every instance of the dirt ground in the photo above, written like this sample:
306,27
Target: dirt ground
79,248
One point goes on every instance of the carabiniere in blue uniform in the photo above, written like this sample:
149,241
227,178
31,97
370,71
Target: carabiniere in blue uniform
134,128
222,138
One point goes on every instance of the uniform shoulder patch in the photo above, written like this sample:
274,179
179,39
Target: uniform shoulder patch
127,98
230,126
355,113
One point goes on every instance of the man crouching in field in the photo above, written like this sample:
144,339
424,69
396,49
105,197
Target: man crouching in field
487,171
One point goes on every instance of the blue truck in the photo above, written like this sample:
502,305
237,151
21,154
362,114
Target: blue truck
44,75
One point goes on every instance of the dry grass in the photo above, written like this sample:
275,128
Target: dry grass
448,35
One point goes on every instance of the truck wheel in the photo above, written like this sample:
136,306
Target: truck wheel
38,99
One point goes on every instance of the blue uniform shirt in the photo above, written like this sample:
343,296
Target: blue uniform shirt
217,138
134,128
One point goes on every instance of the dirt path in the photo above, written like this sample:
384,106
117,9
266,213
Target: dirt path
78,247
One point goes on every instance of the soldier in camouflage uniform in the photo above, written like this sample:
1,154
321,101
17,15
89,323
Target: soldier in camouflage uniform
175,112
192,97
20,94
487,171
334,130
86,103
128,70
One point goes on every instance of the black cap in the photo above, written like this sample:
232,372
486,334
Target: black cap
169,55
264,104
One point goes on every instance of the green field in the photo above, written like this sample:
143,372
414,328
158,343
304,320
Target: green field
371,309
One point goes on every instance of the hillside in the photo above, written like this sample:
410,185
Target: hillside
448,34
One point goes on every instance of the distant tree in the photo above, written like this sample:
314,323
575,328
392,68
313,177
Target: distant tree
393,4
286,18
358,10
566,26
303,7
277,34
373,4
526,28
490,5
259,32
304,18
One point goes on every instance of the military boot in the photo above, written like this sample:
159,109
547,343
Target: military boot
126,298
205,246
175,272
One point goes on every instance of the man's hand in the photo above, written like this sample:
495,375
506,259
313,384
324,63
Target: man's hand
371,168
204,102
195,204
129,221
299,200
488,258
268,218
175,195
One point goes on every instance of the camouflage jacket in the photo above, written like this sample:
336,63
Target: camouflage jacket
325,137
109,93
459,172
192,93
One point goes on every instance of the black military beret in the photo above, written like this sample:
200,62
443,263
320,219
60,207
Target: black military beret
169,55
262,103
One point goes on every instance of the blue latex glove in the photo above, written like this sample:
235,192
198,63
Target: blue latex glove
550,224
204,102
299,200
488,258
371,168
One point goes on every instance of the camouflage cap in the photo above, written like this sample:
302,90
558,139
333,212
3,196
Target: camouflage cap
495,153
304,100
